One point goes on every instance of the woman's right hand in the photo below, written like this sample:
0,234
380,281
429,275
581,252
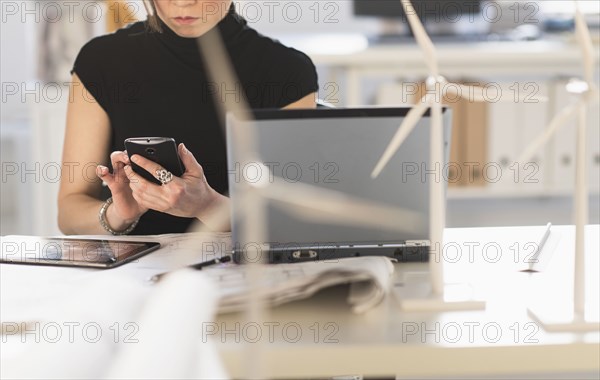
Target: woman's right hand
125,209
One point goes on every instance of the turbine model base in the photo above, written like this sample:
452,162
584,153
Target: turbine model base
419,296
560,317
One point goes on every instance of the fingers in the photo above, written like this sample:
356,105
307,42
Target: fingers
119,156
144,163
192,167
118,160
146,193
103,173
136,181
149,200
140,185
188,160
178,196
109,179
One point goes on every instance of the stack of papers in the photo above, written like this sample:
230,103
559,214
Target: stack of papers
369,278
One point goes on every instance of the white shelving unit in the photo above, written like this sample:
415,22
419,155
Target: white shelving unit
540,68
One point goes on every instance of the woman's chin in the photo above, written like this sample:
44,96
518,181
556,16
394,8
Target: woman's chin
188,31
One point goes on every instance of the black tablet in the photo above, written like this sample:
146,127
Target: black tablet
72,252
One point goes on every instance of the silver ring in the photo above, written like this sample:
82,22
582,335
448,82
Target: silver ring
164,176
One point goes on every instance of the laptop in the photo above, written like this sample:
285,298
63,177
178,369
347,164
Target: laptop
335,150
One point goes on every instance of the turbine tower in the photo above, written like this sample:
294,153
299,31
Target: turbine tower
436,86
586,92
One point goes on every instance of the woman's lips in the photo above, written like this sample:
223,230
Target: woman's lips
185,20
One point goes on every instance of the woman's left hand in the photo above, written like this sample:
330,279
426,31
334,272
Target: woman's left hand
187,196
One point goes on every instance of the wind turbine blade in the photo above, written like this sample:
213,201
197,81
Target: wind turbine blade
321,205
411,120
559,121
220,70
212,50
585,42
422,38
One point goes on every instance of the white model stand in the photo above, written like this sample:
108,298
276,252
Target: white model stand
572,314
435,295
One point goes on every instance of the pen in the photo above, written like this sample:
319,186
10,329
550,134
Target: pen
224,259
198,266
534,258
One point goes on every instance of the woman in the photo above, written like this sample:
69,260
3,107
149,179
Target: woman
149,79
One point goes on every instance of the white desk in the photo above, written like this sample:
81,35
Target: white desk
384,341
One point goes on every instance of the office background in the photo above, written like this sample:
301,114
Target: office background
37,53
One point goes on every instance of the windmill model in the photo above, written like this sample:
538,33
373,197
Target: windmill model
586,91
435,85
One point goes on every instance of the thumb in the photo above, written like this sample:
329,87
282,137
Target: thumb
113,181
188,160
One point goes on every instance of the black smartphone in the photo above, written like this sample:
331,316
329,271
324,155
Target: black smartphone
162,150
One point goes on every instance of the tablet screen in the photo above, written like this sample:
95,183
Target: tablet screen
71,251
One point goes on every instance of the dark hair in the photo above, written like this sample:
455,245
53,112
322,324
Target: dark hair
152,22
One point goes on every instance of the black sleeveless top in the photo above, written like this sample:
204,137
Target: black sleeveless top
155,84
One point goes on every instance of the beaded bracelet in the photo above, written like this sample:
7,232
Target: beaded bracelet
104,222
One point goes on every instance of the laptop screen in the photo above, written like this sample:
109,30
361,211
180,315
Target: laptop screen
336,150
